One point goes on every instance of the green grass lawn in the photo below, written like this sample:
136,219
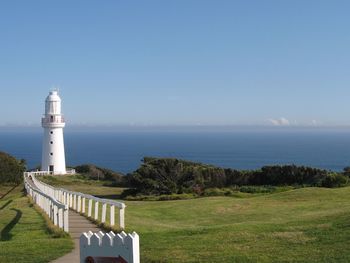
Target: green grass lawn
302,225
23,232
80,184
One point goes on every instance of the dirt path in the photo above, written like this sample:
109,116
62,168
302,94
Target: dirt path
77,225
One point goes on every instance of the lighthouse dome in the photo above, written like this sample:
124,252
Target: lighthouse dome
53,96
53,103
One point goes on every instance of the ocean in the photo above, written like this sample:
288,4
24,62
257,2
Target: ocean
123,150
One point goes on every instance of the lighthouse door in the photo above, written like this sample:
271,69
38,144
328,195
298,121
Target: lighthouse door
51,168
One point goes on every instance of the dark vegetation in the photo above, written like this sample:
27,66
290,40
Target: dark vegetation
94,172
183,179
11,169
164,176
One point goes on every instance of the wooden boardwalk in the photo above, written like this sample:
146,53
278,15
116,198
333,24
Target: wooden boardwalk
77,225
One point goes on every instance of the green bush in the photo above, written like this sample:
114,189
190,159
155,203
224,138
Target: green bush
334,180
11,169
257,189
159,197
94,172
216,192
165,176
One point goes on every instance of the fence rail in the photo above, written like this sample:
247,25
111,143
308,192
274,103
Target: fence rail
68,171
77,201
56,211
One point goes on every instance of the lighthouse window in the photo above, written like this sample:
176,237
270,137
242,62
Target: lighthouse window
51,132
51,142
51,153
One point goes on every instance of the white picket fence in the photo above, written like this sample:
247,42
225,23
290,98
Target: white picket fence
56,211
77,201
99,246
107,246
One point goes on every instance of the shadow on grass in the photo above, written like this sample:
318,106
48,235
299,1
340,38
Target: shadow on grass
108,196
6,204
9,191
5,234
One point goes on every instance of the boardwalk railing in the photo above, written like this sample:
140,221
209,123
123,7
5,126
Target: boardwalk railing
56,211
79,202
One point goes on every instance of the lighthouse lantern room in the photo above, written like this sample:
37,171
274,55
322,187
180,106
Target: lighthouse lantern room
53,157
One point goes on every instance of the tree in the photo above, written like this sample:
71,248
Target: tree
11,169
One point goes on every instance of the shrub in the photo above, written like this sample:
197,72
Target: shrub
11,169
334,180
159,197
164,176
257,189
215,192
94,172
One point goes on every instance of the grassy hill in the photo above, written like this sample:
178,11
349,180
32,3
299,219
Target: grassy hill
303,225
82,184
23,232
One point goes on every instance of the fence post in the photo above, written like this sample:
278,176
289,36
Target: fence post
104,208
121,218
75,202
83,209
112,216
66,198
65,214
60,218
52,211
90,208
55,214
79,203
96,210
47,206
70,200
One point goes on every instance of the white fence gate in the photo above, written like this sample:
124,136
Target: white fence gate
109,247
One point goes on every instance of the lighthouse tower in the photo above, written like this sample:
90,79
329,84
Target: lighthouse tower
53,158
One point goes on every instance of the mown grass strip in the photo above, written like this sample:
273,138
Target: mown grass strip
26,236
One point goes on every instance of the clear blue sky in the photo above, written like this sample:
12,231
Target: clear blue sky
183,62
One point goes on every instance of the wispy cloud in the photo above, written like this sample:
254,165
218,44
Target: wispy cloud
280,122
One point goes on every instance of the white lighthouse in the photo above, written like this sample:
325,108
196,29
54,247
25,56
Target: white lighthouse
53,157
